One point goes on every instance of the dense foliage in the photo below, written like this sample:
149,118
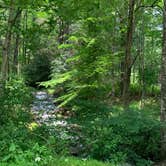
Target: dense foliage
82,78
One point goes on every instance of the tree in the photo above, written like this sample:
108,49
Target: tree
17,42
163,87
128,61
6,47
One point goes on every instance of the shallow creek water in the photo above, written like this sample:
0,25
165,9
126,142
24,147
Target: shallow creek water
44,110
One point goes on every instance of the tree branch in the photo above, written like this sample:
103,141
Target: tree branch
133,61
17,14
149,6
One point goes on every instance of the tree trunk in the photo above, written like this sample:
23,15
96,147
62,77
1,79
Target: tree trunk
163,87
127,62
16,49
6,47
122,48
24,47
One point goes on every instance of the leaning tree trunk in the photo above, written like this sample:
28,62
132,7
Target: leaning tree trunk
128,62
7,43
163,87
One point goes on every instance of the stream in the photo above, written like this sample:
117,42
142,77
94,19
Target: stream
44,110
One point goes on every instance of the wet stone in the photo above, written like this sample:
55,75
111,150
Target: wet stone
44,110
43,107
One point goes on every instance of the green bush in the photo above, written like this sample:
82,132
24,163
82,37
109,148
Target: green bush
149,90
15,99
15,103
20,143
140,135
135,89
131,136
38,70
37,155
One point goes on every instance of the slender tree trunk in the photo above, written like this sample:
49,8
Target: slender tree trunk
7,44
26,59
16,52
142,44
16,49
122,46
127,64
163,88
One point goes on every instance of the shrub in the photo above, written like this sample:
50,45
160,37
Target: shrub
135,127
121,137
37,155
14,100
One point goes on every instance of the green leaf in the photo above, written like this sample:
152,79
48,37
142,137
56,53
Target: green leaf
12,147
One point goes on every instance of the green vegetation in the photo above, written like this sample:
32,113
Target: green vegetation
61,161
81,82
107,134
